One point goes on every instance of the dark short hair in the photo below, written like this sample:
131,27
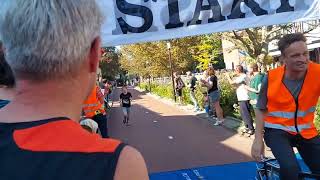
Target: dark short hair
6,74
289,39
240,68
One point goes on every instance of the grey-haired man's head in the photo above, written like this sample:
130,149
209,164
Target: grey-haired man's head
48,39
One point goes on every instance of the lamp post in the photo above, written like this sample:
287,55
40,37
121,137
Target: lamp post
171,71
149,77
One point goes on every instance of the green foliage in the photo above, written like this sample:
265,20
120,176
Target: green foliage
198,95
152,58
208,51
109,64
317,119
164,91
228,95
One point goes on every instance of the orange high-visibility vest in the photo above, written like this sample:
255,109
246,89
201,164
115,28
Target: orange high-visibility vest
93,105
284,112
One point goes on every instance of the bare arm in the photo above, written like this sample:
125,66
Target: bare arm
131,165
257,149
230,80
207,84
254,90
260,115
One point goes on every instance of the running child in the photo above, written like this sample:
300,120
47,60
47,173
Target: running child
125,102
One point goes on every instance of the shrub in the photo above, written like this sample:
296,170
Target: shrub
228,94
228,97
317,119
162,90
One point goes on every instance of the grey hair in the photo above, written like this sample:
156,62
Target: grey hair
48,39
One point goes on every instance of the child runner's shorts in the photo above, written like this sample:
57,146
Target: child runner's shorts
126,110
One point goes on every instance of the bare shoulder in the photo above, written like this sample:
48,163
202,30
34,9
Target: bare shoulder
131,165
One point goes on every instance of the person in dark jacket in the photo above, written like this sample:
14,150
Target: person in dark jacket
7,81
192,85
179,85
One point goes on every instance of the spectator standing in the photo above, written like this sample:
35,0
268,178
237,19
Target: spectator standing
204,90
125,102
214,95
192,86
107,90
254,88
243,98
179,85
93,108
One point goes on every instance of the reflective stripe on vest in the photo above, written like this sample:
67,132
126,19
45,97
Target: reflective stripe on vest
91,105
96,112
288,128
303,114
291,115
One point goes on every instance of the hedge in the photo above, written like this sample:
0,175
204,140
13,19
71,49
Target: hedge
228,95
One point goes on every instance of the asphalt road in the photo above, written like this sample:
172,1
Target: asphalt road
170,138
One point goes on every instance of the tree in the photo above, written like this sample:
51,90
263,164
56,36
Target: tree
255,41
152,58
109,64
144,59
209,51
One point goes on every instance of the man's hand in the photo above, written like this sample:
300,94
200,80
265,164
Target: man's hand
257,149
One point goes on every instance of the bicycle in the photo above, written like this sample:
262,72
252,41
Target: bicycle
269,169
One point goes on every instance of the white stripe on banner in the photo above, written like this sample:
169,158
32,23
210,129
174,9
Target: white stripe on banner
134,21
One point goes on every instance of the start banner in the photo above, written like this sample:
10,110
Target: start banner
134,21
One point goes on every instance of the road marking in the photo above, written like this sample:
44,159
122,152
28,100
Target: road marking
155,121
170,137
147,112
186,176
197,173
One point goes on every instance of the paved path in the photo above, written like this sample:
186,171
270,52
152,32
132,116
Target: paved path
170,138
